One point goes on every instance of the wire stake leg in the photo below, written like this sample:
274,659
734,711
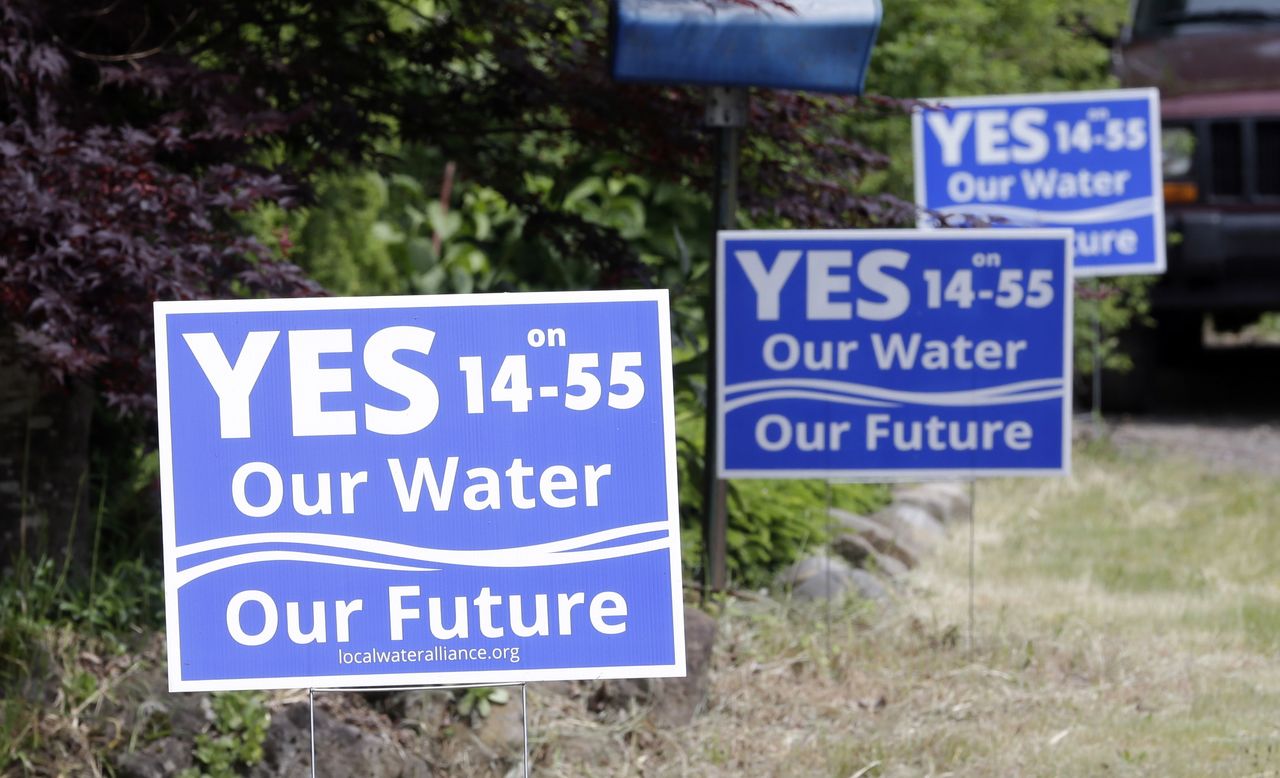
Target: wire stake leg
972,555
311,698
1097,367
524,709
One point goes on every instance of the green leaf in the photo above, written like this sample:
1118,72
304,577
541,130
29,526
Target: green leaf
463,282
443,224
386,232
586,189
421,255
412,186
483,225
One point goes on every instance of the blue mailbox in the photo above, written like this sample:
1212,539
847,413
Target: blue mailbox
813,45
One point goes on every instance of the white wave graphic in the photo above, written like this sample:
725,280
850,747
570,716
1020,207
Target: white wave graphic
803,394
760,397
1018,216
847,393
407,551
558,552
199,571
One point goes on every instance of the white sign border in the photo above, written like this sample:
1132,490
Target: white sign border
164,309
1150,94
900,474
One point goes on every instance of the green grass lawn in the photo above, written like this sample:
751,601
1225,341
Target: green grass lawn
1136,606
1128,624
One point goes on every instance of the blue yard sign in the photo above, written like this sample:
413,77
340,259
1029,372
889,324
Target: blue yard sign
1085,160
457,489
883,354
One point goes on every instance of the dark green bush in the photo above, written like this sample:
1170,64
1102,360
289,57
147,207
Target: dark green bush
771,522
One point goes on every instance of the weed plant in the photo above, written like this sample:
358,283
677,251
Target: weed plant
58,634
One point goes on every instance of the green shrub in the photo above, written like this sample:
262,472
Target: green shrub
1108,307
114,606
478,701
49,621
240,723
771,523
775,522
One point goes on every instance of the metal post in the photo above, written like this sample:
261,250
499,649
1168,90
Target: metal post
524,710
826,549
1097,365
311,697
727,113
973,498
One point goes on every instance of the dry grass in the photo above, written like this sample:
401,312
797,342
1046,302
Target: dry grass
1128,623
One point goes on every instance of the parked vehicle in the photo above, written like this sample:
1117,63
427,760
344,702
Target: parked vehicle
1217,64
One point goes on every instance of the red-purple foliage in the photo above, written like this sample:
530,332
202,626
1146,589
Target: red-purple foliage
131,132
100,215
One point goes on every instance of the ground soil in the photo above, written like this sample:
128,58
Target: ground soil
1219,404
1221,443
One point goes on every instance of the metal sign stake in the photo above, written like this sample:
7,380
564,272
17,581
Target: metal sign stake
827,550
524,720
1097,366
311,701
973,497
727,114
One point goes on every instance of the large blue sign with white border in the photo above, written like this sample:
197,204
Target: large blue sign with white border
1085,160
881,354
455,489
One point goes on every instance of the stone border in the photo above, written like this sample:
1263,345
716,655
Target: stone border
870,555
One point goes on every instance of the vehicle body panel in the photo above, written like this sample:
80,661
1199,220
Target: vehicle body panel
1217,65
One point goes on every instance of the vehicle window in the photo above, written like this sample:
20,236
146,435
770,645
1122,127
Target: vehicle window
1174,17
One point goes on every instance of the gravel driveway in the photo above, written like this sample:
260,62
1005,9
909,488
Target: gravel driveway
1226,445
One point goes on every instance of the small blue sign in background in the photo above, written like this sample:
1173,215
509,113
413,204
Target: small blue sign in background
453,489
1085,160
892,353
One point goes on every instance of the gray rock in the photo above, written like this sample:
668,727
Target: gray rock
582,749
909,522
342,749
672,702
868,586
858,551
502,730
880,537
676,700
853,549
165,757
946,501
559,688
144,705
422,709
889,567
829,578
812,573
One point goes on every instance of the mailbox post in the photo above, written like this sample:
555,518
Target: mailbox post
808,45
727,115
